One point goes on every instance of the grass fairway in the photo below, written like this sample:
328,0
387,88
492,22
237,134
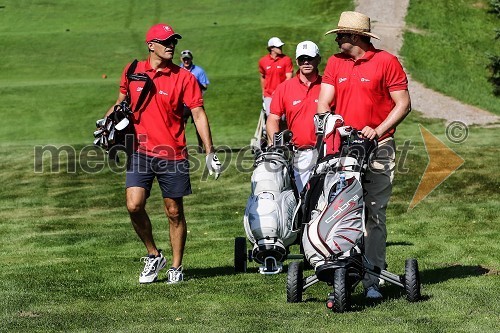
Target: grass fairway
69,257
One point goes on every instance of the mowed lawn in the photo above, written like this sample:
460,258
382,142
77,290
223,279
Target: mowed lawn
69,258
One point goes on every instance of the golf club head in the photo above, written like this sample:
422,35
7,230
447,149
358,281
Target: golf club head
97,133
332,122
122,124
111,136
100,122
345,131
96,141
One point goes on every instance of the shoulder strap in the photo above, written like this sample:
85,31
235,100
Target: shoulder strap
148,83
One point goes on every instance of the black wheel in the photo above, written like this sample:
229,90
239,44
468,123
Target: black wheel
412,280
294,282
341,291
240,254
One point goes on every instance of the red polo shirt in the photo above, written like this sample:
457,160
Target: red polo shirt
274,71
298,103
362,87
158,124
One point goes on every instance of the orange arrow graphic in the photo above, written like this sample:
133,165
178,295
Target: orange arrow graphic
442,163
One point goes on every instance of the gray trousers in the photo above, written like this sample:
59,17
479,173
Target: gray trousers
378,188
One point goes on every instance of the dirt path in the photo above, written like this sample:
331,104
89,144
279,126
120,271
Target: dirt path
388,23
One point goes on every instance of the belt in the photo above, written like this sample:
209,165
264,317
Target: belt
304,148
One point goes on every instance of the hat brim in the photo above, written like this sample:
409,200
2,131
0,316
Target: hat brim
271,46
354,32
174,35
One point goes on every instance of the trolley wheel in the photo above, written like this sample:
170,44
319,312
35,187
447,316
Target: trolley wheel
341,291
294,282
240,254
412,280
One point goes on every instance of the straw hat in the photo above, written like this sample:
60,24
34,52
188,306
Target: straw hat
354,23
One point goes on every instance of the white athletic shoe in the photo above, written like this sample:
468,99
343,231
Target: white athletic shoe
373,293
151,268
175,275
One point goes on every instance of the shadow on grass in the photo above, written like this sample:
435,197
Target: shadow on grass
403,243
455,271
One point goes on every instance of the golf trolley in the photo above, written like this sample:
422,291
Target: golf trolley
270,218
334,226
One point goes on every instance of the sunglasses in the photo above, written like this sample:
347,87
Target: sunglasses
304,58
341,36
166,42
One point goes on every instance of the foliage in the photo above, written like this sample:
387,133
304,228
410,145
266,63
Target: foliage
445,48
69,258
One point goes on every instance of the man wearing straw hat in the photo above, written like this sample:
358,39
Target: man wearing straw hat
370,91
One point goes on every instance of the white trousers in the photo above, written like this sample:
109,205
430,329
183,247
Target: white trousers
303,163
267,105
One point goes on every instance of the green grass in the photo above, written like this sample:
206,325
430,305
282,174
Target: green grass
447,49
69,256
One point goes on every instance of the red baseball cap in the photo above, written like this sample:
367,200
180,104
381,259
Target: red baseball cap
161,32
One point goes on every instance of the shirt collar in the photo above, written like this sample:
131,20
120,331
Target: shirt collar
317,81
165,70
369,53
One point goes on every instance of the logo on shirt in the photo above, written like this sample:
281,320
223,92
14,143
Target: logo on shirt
342,79
163,93
139,89
268,67
278,66
296,102
364,80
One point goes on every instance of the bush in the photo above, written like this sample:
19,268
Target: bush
495,7
494,65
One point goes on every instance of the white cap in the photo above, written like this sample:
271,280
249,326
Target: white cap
307,48
275,42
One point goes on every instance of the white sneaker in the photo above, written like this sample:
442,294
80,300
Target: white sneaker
373,293
175,275
151,268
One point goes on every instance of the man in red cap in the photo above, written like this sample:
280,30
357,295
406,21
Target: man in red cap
370,91
274,68
160,145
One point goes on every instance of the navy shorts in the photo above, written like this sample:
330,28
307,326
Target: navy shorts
172,175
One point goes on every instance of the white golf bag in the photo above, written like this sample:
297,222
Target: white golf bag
336,216
269,214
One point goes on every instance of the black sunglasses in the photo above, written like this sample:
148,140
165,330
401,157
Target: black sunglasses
341,36
303,58
166,42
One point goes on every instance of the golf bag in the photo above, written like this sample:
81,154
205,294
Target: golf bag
269,214
335,218
116,131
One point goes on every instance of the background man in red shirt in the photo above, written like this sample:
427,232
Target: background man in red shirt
160,150
370,91
297,99
274,68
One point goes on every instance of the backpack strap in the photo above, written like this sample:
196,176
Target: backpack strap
148,84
